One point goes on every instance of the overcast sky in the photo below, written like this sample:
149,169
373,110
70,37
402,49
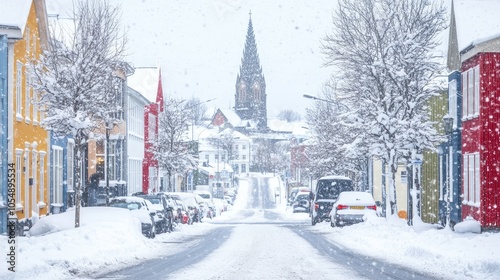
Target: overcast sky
199,46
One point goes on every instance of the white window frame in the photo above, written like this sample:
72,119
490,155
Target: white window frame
28,39
465,176
470,91
35,186
470,170
42,177
464,95
477,180
70,164
57,176
19,165
27,91
476,97
19,88
452,101
27,169
35,108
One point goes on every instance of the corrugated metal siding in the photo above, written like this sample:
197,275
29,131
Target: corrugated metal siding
438,107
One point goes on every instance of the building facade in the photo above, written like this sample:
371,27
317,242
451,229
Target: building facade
134,114
29,141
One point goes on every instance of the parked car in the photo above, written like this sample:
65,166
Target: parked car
192,202
351,208
139,209
294,191
164,212
325,195
301,202
220,205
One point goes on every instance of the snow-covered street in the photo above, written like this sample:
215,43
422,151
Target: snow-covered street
257,244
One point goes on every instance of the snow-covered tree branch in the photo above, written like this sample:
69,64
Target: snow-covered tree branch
385,50
171,148
75,77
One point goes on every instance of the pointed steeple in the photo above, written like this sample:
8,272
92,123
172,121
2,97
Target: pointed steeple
453,57
250,63
250,97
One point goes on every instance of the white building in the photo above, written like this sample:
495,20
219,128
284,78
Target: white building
134,114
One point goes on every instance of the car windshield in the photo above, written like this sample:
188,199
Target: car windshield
154,200
125,204
330,189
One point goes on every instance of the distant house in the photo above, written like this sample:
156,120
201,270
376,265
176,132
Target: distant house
147,81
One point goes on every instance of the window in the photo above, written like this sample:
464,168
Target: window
34,186
28,39
243,168
19,96
472,179
243,147
452,101
236,147
35,108
471,93
206,157
70,165
244,157
26,171
57,176
19,165
42,177
27,100
151,127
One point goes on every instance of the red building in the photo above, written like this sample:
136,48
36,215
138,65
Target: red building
147,81
481,132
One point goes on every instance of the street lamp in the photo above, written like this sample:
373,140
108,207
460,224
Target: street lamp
327,101
448,129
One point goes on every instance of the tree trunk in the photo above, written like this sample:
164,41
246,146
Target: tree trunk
78,175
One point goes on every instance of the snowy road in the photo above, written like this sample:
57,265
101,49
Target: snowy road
256,241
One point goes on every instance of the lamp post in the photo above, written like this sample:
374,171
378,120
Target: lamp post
448,129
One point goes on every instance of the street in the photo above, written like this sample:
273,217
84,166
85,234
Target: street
261,243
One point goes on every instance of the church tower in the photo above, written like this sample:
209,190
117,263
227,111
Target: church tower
250,97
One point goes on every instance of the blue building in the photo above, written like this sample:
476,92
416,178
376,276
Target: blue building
3,133
450,159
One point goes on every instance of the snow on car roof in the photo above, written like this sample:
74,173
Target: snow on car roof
360,198
129,199
330,177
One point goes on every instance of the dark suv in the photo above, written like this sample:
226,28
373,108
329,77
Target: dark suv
325,195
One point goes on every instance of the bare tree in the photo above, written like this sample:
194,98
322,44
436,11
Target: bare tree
197,110
289,116
171,148
385,50
75,77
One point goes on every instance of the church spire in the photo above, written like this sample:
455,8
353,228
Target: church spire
250,103
250,63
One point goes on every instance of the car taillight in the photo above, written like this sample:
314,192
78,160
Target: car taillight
373,207
342,207
316,206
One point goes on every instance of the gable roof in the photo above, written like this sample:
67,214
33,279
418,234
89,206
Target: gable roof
146,81
13,17
471,23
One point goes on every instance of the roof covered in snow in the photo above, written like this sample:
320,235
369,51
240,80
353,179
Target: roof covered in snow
14,16
145,80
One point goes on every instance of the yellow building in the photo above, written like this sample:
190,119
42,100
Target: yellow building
28,140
